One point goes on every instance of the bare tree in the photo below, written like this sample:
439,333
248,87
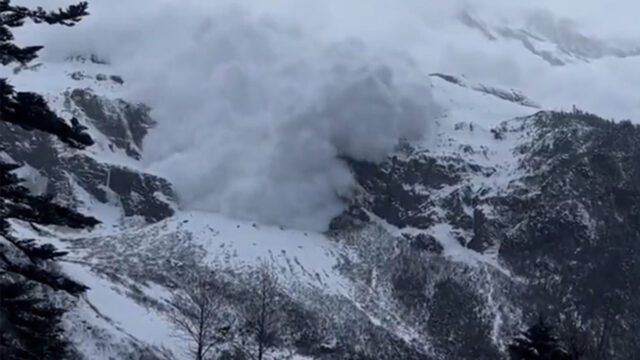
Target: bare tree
196,313
262,313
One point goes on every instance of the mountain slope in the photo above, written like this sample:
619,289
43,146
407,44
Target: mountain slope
445,250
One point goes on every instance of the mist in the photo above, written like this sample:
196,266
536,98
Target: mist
258,102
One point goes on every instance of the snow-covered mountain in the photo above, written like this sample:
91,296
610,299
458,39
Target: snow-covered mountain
412,206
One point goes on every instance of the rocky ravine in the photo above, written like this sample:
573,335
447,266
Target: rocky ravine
443,253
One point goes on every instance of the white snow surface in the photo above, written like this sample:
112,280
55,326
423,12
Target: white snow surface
121,311
223,166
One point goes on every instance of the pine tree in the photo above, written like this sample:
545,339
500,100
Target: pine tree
29,322
537,343
27,109
30,111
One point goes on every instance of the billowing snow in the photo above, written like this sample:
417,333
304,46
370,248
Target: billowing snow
255,102
267,96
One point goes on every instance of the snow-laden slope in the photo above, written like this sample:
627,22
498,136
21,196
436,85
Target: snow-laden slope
128,264
417,257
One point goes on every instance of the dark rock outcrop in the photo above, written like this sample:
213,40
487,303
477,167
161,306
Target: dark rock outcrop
124,125
567,231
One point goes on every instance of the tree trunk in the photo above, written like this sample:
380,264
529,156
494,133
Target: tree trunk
201,325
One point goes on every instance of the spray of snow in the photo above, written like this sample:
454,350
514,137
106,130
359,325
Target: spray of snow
257,101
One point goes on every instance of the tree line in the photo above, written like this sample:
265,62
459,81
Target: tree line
541,342
203,320
30,323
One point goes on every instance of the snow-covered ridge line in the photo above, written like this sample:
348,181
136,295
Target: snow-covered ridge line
511,95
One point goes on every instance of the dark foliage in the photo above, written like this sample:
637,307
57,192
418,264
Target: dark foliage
18,203
30,111
29,321
459,330
26,109
538,343
29,324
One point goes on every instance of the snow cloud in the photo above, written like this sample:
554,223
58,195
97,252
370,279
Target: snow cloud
255,106
257,101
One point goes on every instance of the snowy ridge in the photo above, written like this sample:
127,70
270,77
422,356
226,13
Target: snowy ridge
432,247
554,40
126,248
511,95
128,264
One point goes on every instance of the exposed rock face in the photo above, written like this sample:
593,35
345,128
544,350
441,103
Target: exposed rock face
566,230
511,95
124,126
444,253
575,235
553,40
